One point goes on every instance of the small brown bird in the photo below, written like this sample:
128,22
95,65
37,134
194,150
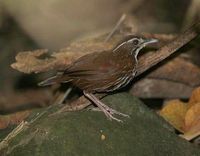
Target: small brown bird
104,71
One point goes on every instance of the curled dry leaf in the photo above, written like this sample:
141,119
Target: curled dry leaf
30,61
174,112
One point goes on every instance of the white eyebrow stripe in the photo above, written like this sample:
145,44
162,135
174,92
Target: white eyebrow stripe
130,40
119,46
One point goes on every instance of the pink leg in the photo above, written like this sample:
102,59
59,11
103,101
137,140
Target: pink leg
109,112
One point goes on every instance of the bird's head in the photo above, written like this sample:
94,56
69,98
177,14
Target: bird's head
133,44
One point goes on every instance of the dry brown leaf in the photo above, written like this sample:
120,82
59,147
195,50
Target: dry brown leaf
11,102
13,119
195,97
174,69
174,112
160,88
30,61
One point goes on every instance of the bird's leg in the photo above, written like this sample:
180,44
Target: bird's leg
104,108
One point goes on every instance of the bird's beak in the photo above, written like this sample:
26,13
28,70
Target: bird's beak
149,41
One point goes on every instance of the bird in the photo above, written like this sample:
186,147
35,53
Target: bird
104,71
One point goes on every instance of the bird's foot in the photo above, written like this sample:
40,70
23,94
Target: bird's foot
109,112
113,111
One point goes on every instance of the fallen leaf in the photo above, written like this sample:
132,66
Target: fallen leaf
185,117
11,102
173,70
174,112
160,88
30,61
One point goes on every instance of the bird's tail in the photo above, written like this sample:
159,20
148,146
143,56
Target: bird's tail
58,78
50,81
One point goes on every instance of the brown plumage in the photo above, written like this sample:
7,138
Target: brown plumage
104,71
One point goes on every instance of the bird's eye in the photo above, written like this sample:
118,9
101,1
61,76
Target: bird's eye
135,42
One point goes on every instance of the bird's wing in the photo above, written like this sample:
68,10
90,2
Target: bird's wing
92,66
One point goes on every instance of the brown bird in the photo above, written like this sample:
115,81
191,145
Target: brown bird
104,71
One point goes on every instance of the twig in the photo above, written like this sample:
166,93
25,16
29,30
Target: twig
150,60
4,143
62,96
121,20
